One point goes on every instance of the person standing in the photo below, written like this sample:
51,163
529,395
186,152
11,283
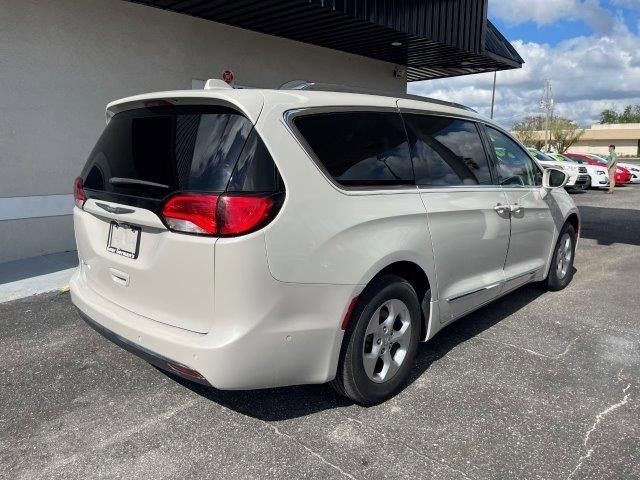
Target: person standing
612,160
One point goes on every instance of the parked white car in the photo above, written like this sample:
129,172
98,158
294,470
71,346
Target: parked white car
634,169
599,175
579,178
258,238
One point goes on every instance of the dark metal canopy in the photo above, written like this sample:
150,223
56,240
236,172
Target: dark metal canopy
432,38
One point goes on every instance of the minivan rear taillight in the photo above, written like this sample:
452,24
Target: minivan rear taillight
224,215
78,192
191,213
238,214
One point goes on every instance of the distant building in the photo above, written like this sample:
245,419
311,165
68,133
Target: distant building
625,136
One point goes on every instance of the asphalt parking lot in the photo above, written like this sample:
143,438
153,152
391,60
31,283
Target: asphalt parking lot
537,385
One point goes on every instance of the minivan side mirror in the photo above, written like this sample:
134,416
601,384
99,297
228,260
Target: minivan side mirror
554,178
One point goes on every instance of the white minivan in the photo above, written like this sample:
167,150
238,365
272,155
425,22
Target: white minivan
249,238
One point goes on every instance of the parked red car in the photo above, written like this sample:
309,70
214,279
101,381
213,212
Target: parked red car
623,175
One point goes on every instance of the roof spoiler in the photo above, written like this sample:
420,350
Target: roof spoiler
216,84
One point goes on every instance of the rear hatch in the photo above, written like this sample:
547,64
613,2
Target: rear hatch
130,253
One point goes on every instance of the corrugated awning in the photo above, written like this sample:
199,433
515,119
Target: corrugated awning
431,38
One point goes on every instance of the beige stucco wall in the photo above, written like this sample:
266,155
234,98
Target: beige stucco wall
623,147
61,61
597,138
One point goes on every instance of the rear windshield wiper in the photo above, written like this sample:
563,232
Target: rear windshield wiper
135,181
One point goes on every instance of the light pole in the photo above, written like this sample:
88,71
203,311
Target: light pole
547,105
493,95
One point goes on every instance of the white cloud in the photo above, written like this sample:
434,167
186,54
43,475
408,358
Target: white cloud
627,3
588,74
546,12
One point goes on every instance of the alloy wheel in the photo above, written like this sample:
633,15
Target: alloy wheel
565,252
386,341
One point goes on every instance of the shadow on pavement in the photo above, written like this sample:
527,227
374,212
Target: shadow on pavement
271,404
292,402
29,268
472,325
610,225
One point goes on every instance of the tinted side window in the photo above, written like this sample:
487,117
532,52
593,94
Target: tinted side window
515,166
359,148
447,151
255,170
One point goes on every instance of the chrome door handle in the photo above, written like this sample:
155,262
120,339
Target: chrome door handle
516,208
501,208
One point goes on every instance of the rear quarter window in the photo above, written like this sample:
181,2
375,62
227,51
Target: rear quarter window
255,170
359,149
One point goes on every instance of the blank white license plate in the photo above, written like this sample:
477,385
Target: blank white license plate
124,240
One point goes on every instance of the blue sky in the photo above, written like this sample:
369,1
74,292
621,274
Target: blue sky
552,34
563,28
589,49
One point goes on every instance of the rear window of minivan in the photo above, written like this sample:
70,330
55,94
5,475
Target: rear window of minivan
359,149
150,153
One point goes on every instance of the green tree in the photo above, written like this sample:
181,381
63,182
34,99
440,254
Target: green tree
528,130
564,133
630,114
609,116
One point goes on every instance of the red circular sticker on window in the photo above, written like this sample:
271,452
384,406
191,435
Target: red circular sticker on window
227,76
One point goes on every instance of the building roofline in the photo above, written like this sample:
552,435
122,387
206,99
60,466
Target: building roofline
431,38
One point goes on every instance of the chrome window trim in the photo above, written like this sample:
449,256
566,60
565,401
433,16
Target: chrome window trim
520,188
459,188
439,113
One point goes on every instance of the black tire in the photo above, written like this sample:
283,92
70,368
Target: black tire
351,379
555,280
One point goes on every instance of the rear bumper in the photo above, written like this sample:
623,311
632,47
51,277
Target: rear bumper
296,341
622,179
147,355
600,181
581,182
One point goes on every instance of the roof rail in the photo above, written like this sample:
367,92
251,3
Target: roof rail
332,87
